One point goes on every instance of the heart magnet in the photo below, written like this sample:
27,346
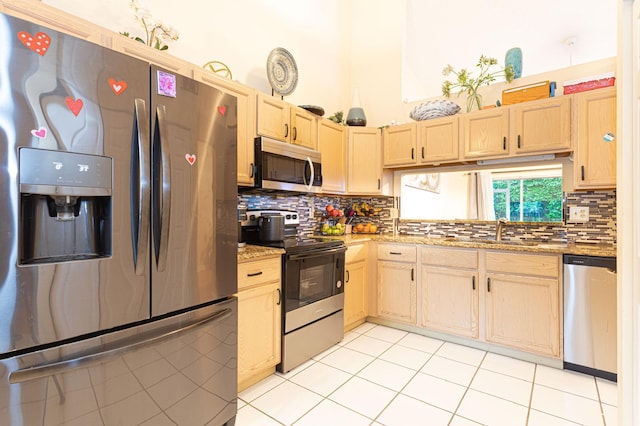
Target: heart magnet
117,86
74,105
191,158
39,43
40,133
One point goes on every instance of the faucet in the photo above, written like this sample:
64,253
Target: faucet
499,227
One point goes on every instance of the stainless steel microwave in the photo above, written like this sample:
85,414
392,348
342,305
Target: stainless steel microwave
287,167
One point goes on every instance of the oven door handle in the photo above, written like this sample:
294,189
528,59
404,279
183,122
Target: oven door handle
316,253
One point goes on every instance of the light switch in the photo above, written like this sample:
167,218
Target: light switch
578,214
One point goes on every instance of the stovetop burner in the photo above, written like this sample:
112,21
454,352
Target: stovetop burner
304,244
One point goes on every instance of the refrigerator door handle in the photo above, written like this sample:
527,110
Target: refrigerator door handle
140,217
42,371
165,190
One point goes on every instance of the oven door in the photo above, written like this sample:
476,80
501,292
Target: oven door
313,286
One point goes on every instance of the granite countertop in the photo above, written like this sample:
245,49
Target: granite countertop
250,252
586,249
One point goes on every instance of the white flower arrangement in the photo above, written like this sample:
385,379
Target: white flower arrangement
156,32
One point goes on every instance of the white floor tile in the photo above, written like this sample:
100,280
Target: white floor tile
490,410
363,328
249,416
435,391
349,336
387,334
363,396
421,343
320,378
347,360
610,414
368,345
325,353
538,418
505,387
330,413
260,388
289,374
386,374
453,371
287,402
461,353
566,405
406,411
510,366
608,391
567,381
406,357
241,403
461,421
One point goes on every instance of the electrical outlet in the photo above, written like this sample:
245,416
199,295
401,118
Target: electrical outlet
578,214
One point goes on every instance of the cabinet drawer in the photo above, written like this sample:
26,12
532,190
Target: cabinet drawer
457,258
397,252
523,264
258,272
356,253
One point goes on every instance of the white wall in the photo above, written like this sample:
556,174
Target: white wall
450,202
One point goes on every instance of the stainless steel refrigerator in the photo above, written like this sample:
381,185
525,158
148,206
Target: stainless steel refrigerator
118,238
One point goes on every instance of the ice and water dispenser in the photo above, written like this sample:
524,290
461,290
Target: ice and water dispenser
65,206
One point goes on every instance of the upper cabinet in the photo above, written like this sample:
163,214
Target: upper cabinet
332,144
485,133
399,145
595,142
280,120
439,140
364,160
543,126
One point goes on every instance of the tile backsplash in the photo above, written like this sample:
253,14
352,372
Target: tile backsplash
600,228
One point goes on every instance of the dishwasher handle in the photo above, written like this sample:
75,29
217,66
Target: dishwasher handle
592,261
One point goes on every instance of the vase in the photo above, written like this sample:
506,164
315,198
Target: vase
474,99
356,116
514,58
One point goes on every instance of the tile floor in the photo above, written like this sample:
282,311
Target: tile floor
382,376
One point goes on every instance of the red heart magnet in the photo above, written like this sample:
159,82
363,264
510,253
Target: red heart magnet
222,109
39,133
117,86
39,43
191,158
74,105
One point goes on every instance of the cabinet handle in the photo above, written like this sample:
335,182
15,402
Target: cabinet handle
582,172
489,285
518,141
254,274
397,253
252,170
473,282
411,274
504,143
412,153
295,133
347,280
423,152
378,183
286,130
279,297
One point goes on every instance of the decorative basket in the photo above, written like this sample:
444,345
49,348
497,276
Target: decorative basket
434,109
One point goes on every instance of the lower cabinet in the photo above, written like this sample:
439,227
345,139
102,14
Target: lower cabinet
397,290
259,320
355,286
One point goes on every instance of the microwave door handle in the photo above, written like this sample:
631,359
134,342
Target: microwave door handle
310,184
165,189
140,218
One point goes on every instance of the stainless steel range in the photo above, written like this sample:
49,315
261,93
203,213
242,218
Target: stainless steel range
312,280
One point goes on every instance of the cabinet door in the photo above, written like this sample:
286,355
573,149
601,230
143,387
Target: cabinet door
485,133
364,161
273,117
355,293
595,145
523,312
304,128
154,56
258,330
450,300
399,145
332,143
542,126
246,119
439,140
397,291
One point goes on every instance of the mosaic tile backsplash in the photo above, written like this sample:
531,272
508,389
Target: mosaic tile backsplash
601,227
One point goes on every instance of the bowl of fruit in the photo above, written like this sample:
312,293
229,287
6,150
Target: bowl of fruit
365,228
328,228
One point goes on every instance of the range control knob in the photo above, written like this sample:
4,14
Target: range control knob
339,284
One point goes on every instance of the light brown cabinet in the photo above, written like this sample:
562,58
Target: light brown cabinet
485,133
439,140
282,121
259,319
450,290
332,144
397,288
595,142
163,59
399,145
355,286
364,161
522,301
542,126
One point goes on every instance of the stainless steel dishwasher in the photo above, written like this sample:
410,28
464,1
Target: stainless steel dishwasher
590,315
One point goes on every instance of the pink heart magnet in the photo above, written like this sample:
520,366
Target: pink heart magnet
222,109
117,86
39,133
191,158
39,43
75,105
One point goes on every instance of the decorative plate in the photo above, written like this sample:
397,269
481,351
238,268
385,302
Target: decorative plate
282,71
313,109
434,109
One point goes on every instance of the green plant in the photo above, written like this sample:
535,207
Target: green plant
156,33
337,118
469,84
